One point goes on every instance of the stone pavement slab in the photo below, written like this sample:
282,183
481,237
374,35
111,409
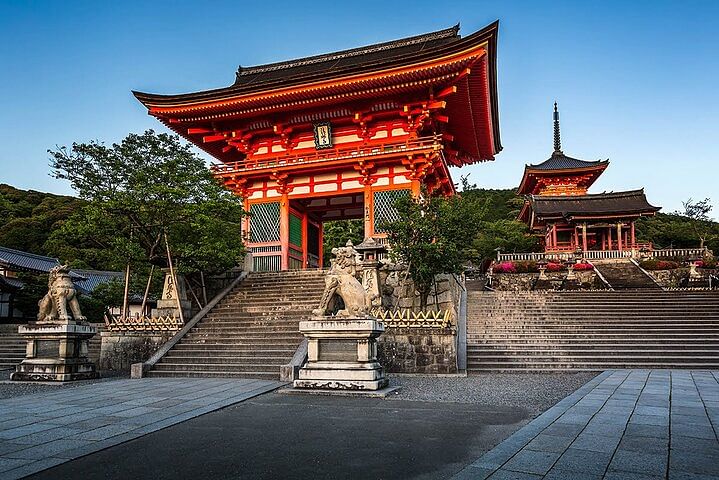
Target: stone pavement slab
42,430
623,424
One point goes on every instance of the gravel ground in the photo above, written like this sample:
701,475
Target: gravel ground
535,392
15,389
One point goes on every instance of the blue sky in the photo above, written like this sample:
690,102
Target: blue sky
636,81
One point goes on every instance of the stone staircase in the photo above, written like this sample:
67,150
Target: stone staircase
625,275
251,332
592,330
12,347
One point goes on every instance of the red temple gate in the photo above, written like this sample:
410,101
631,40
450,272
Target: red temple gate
342,135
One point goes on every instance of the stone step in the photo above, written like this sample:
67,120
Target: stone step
239,339
243,350
225,367
572,352
502,326
226,359
586,333
244,332
576,367
213,374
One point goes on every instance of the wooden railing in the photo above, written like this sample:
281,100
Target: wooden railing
315,156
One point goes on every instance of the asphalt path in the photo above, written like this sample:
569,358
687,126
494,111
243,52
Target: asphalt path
277,436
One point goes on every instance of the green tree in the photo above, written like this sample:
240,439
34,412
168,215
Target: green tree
138,190
698,213
431,237
337,232
507,235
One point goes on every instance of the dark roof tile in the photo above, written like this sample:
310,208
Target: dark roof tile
17,260
92,278
559,161
632,202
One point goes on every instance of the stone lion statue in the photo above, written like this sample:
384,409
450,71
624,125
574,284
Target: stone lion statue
341,281
60,296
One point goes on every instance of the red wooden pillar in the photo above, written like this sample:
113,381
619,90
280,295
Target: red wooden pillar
321,228
246,222
619,236
305,247
609,238
285,232
584,237
369,210
554,235
576,238
634,238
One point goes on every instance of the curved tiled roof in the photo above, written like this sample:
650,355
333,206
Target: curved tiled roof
559,161
632,202
92,278
17,260
335,61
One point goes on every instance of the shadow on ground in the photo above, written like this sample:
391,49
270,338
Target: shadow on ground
303,437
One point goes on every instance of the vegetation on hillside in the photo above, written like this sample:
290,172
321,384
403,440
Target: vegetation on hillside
28,218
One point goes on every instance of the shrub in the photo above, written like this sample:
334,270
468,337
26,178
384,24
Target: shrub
504,267
515,267
583,266
555,267
659,265
712,263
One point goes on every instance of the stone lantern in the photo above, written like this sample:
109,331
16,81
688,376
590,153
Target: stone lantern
542,266
370,253
570,270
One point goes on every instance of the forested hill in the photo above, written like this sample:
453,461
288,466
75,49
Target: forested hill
28,217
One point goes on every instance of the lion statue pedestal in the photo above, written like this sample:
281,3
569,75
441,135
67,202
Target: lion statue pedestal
342,338
57,342
342,354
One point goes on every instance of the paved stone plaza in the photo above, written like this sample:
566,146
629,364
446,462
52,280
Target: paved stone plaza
623,425
619,425
46,429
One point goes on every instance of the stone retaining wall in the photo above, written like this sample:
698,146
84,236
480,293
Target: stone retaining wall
517,282
119,350
398,291
418,350
677,277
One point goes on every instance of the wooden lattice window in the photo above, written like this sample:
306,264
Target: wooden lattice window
265,222
384,207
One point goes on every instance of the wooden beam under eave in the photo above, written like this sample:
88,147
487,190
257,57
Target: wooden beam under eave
195,131
447,91
213,138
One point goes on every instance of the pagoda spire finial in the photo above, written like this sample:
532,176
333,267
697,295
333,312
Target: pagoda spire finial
557,138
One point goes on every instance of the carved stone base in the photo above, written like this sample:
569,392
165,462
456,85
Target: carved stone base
342,354
56,352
